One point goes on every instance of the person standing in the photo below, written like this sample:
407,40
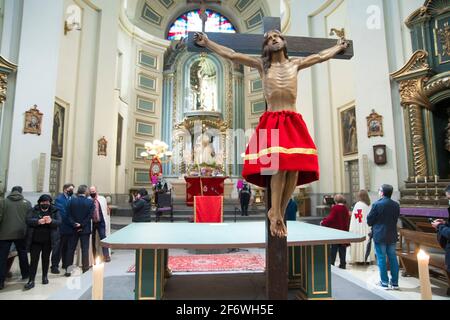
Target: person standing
383,218
358,225
443,231
338,219
244,197
43,221
59,252
100,222
13,214
79,214
141,207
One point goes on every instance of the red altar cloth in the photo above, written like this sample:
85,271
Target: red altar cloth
212,186
208,209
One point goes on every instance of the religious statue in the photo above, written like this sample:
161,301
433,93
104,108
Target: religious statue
204,150
281,138
203,86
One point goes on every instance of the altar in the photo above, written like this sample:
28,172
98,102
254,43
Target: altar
211,186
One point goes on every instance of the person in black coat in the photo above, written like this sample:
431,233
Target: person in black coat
383,218
43,221
244,197
443,231
141,207
79,214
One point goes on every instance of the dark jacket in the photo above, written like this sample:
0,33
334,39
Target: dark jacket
32,221
444,231
62,202
141,209
13,215
338,218
80,210
383,219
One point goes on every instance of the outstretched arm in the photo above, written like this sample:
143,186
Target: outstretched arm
322,56
202,40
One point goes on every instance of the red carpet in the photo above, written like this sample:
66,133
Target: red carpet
215,262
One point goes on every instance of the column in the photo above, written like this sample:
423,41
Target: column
42,28
417,139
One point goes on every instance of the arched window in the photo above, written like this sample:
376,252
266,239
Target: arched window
190,21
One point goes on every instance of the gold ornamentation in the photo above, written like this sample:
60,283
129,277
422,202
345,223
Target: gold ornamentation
412,77
102,145
264,152
437,84
339,33
417,137
33,121
3,84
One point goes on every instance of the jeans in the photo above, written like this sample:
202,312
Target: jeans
5,246
381,250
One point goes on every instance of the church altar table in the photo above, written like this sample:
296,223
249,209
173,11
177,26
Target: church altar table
208,209
309,268
212,186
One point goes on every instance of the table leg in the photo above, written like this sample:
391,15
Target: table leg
149,276
315,271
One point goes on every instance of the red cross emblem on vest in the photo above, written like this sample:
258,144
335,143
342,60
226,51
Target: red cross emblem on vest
359,215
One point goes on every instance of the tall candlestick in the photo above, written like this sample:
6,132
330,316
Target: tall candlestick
424,275
97,280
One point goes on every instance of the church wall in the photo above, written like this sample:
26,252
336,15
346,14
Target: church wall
9,49
36,79
373,90
133,42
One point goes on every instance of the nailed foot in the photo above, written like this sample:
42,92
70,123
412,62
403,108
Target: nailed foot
277,226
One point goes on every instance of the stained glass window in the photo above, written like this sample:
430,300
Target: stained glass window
191,21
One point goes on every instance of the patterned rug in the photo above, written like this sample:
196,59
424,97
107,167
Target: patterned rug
215,262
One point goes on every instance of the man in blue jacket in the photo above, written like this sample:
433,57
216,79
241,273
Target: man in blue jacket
65,229
79,214
443,231
383,218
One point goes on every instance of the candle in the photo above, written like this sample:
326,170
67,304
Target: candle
425,178
424,275
435,179
415,179
97,280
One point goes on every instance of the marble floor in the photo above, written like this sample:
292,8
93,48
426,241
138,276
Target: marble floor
76,286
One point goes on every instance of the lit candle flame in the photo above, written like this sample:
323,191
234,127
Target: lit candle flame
422,255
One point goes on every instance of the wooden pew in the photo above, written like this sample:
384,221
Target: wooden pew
421,240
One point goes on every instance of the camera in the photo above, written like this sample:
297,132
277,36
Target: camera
430,220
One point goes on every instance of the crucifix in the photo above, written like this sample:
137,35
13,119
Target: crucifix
203,3
291,148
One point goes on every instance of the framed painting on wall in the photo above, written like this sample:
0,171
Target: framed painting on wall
349,133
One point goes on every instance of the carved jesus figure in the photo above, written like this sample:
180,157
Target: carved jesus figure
281,133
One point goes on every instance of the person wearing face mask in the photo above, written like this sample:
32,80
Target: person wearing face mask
65,230
383,218
141,207
443,232
43,221
100,223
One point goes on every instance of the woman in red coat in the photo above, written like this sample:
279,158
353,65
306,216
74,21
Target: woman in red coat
339,218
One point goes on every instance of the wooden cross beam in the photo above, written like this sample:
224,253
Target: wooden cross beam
252,43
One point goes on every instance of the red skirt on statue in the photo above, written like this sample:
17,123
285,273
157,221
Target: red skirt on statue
281,143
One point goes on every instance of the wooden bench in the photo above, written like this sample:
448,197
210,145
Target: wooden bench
421,240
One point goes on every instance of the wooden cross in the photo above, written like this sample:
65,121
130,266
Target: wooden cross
276,248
